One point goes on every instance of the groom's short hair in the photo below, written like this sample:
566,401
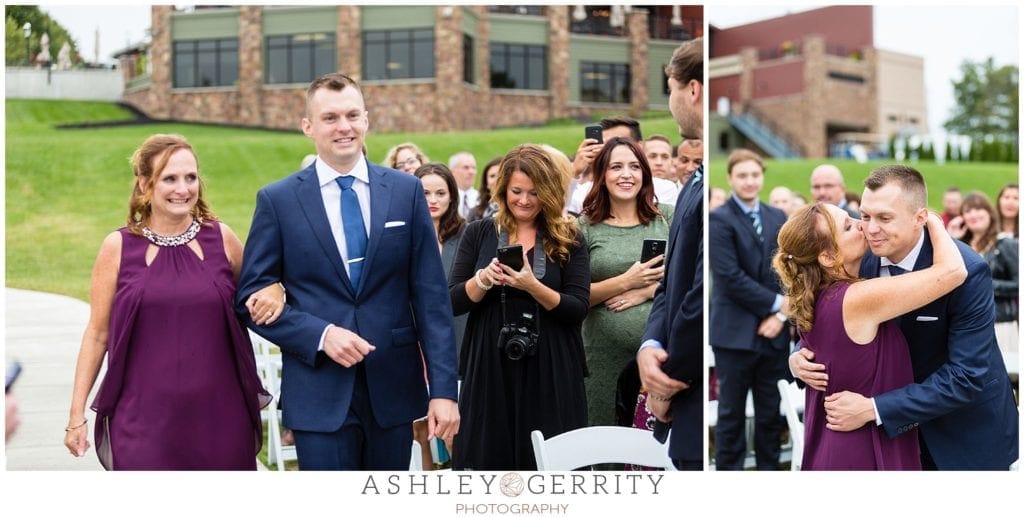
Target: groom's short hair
908,179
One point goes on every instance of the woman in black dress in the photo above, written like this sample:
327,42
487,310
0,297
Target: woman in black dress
517,381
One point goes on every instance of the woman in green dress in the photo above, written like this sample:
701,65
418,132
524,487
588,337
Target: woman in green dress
618,214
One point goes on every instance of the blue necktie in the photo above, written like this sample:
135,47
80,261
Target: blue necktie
895,270
757,225
355,230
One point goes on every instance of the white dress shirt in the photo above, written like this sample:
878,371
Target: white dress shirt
330,191
468,199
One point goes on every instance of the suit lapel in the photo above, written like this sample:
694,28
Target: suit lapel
312,204
745,222
380,205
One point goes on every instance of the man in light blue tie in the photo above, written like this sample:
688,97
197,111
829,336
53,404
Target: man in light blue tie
354,245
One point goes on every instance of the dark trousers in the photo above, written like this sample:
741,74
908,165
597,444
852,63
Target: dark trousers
360,443
739,371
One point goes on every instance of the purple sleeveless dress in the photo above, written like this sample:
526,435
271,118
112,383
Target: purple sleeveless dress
181,390
871,369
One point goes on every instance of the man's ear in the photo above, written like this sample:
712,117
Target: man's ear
307,127
921,217
696,92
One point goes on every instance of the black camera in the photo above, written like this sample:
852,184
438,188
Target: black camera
519,339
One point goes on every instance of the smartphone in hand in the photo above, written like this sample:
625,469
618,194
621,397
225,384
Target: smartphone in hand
593,132
511,256
652,248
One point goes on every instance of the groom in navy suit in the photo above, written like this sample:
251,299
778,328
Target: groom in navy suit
354,245
670,358
961,399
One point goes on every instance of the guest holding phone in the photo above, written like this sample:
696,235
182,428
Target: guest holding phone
523,351
619,213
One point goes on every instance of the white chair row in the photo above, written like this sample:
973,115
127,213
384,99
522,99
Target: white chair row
595,445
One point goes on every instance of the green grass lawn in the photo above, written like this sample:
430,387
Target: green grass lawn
68,188
796,174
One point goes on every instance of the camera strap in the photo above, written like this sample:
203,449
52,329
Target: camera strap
539,267
539,260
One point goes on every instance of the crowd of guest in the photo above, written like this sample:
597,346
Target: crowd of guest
753,330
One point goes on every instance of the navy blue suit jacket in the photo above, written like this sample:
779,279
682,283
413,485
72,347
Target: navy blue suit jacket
961,396
745,283
677,322
403,300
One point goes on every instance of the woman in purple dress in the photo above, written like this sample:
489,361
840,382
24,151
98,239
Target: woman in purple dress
181,390
852,326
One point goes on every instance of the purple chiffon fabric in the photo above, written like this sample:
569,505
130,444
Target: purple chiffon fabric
181,390
877,367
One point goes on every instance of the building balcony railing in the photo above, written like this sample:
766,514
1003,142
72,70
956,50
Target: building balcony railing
140,82
661,27
532,10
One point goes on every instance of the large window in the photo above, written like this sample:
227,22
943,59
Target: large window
398,54
604,82
299,58
211,62
517,66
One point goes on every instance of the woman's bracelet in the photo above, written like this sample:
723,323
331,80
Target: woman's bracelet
84,421
659,399
480,283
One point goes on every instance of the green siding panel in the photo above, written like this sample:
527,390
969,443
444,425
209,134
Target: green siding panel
470,22
601,50
658,54
378,17
527,30
206,24
279,21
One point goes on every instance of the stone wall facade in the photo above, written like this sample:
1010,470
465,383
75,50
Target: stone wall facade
442,103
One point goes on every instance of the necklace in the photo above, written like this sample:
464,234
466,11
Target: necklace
175,240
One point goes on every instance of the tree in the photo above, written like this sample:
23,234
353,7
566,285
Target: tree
14,43
986,101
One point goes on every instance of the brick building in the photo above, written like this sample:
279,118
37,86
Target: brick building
804,84
422,68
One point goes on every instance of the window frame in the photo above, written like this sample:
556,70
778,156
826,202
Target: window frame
393,39
289,45
620,75
504,51
222,76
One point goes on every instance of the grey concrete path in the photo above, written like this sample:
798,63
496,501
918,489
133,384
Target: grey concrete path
43,331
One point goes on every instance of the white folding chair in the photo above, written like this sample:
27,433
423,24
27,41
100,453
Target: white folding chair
416,461
269,366
793,407
588,446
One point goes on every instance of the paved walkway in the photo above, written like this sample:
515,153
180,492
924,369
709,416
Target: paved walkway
44,332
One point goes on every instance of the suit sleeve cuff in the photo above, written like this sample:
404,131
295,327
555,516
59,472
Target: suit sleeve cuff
878,416
323,336
651,343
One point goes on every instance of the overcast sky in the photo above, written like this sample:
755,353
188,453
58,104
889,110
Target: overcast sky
944,35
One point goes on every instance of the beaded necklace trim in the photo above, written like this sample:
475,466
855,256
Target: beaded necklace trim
175,240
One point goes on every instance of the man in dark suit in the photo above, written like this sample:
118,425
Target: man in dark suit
961,399
670,358
749,333
353,244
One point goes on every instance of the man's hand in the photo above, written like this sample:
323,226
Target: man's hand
345,347
661,409
649,361
769,327
443,420
848,411
812,374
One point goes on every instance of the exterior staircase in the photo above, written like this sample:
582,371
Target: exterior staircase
766,137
